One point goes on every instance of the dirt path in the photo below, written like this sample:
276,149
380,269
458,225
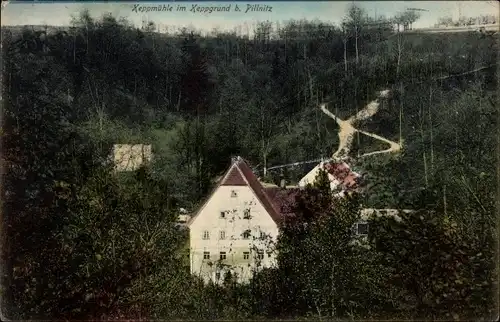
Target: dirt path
347,129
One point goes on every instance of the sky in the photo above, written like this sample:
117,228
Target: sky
60,13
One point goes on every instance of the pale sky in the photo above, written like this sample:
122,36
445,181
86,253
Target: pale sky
59,13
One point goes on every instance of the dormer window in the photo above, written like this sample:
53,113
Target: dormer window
234,194
361,229
206,235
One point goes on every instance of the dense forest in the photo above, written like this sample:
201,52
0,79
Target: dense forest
80,242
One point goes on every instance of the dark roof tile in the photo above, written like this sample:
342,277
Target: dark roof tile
343,173
233,178
240,174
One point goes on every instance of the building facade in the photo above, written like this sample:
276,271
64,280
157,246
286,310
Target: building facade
130,157
235,230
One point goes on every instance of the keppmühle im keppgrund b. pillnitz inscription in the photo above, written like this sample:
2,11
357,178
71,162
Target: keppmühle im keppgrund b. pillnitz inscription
196,8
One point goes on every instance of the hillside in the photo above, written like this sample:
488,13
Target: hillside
153,95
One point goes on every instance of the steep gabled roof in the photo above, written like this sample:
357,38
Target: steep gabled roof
343,173
259,191
240,174
234,177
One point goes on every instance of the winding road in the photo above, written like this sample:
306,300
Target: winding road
347,129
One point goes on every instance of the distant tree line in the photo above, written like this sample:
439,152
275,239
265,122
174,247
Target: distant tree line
467,21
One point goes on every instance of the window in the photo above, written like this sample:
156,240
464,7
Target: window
206,235
222,214
262,235
246,255
246,234
206,255
217,275
233,194
246,214
362,229
260,254
269,254
222,255
222,234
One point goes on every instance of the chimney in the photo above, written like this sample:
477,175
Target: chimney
282,179
235,159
